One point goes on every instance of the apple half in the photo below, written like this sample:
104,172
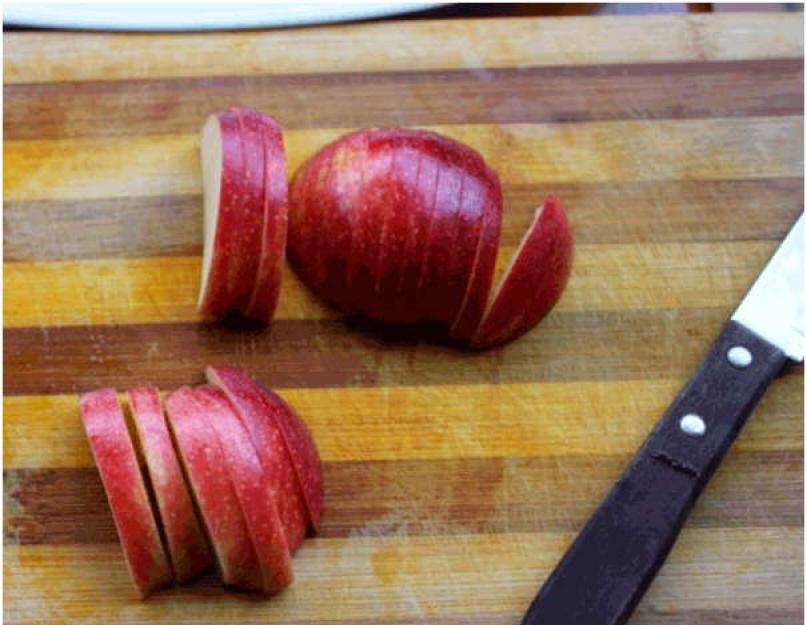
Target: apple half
183,535
284,444
125,489
205,466
403,226
386,224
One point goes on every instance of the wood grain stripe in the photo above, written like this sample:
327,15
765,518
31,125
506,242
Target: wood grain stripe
427,45
618,151
157,290
436,497
708,210
770,616
330,353
439,422
392,577
547,94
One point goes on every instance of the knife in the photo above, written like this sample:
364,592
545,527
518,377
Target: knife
608,568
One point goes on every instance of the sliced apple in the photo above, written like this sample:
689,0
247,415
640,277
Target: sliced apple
254,485
115,458
184,537
266,290
481,281
385,223
533,282
284,444
205,467
233,173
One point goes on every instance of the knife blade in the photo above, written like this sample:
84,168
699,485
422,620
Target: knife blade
611,563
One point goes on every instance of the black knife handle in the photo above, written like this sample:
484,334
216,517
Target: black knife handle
610,565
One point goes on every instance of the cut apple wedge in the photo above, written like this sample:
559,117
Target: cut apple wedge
284,445
266,290
533,282
207,475
116,460
232,172
254,486
184,537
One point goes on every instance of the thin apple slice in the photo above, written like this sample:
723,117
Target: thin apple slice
284,444
481,280
266,291
186,542
233,215
255,486
204,465
533,282
115,457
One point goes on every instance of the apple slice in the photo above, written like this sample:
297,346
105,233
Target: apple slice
266,290
284,444
115,457
533,282
186,542
204,464
479,285
254,486
232,171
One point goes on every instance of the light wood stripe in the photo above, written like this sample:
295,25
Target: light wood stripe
151,290
439,422
154,290
617,151
389,577
48,57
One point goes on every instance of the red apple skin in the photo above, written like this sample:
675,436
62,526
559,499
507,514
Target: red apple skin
184,537
284,444
237,239
538,274
380,226
266,291
205,466
476,295
115,458
469,192
254,486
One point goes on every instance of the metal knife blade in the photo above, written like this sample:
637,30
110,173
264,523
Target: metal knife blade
774,306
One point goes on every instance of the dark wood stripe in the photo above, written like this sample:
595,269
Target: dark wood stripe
336,353
328,353
48,230
424,497
767,616
685,211
210,586
544,94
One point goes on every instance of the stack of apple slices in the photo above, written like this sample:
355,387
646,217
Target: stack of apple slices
232,470
400,226
245,214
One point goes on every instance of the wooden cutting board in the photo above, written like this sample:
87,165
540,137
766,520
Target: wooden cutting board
454,480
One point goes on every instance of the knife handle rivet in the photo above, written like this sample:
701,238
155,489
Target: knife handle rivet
692,425
739,356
